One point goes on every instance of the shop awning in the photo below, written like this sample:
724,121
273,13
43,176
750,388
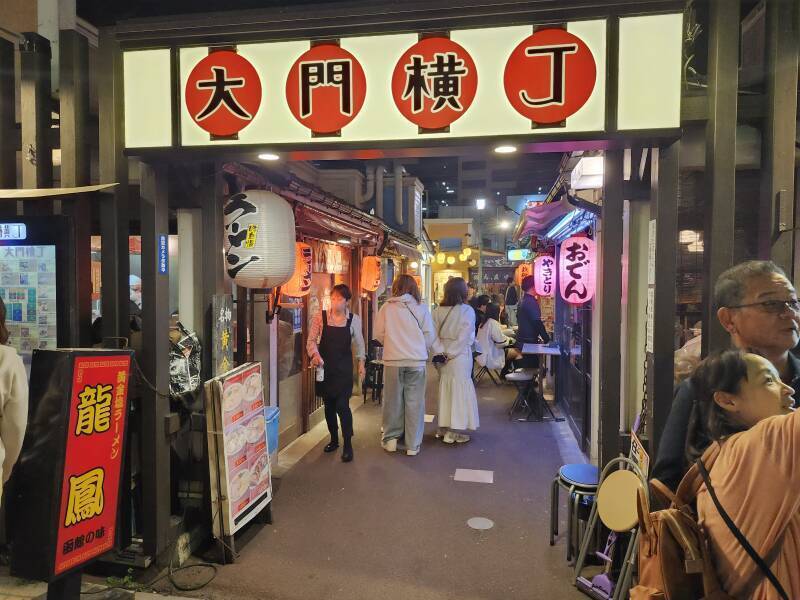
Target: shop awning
404,246
538,219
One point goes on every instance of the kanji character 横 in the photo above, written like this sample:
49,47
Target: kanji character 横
439,80
94,409
85,499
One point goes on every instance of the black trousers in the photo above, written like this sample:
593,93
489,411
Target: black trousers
339,406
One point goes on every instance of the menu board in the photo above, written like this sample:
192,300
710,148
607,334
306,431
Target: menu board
28,289
238,447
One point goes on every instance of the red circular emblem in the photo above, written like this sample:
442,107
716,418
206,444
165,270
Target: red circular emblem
223,93
326,88
550,76
434,82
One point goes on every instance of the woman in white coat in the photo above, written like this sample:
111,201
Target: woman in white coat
454,321
492,341
13,402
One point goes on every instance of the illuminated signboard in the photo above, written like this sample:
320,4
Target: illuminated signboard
519,254
525,80
13,231
68,479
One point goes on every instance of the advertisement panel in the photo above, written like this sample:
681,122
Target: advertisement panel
238,448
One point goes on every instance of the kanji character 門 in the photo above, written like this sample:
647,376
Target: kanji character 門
439,80
85,496
94,409
319,73
222,94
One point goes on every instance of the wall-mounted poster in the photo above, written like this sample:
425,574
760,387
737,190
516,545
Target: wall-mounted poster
241,484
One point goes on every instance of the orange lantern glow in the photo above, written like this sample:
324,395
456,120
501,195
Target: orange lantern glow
370,273
523,270
300,283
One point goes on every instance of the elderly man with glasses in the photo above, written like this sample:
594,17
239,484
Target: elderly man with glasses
758,307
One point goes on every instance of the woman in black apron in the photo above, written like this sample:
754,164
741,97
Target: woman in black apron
337,330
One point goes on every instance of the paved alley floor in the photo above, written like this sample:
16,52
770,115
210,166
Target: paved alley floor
390,525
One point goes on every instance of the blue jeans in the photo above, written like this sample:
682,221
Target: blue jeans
404,404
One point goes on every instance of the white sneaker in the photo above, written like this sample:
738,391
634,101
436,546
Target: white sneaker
462,438
440,433
390,445
450,437
412,452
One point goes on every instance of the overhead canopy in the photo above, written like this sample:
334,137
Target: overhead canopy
49,192
538,219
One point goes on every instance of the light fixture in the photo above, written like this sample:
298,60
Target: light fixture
695,246
269,156
343,241
467,252
562,224
587,174
473,262
503,224
462,257
480,203
415,265
505,149
451,191
688,236
440,258
451,260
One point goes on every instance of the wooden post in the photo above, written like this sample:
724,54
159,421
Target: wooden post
212,260
154,358
8,127
720,170
35,106
74,111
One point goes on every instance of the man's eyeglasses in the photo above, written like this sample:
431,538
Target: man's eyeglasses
774,307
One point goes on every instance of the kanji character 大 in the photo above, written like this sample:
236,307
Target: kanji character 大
222,94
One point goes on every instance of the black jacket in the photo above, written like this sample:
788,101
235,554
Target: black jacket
529,318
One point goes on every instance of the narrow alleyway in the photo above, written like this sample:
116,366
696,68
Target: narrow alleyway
393,525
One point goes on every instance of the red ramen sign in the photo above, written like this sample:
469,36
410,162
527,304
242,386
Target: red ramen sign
577,269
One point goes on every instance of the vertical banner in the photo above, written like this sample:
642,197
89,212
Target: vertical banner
63,503
577,269
222,334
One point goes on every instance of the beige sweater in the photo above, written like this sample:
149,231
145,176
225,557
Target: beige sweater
13,408
757,478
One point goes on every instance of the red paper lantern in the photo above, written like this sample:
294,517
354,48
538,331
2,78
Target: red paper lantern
523,270
371,273
544,273
300,283
577,269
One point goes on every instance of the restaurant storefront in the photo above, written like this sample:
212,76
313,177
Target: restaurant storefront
299,96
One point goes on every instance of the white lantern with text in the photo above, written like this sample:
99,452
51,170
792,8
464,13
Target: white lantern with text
544,273
577,269
259,239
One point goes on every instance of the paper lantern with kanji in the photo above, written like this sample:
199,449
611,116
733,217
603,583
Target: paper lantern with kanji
300,283
577,269
523,270
370,273
544,273
259,239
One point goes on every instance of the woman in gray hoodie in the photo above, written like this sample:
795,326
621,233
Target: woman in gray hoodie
405,329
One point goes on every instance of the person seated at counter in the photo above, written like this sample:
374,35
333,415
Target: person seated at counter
479,304
492,341
531,329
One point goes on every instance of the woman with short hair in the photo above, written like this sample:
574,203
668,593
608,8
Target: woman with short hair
405,329
454,320
331,338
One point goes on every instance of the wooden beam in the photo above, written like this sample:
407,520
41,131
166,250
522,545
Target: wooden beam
154,359
720,172
212,260
610,313
73,116
776,216
8,126
664,177
35,108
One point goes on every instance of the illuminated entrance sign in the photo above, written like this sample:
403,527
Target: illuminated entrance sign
520,80
13,231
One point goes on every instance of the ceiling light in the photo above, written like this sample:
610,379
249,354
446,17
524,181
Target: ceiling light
269,156
451,191
343,241
503,224
505,149
480,203
415,265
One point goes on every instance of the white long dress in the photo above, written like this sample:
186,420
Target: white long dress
458,404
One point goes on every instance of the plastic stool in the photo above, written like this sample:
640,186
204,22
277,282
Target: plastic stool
580,480
522,380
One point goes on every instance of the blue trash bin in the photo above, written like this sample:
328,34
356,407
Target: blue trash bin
273,417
